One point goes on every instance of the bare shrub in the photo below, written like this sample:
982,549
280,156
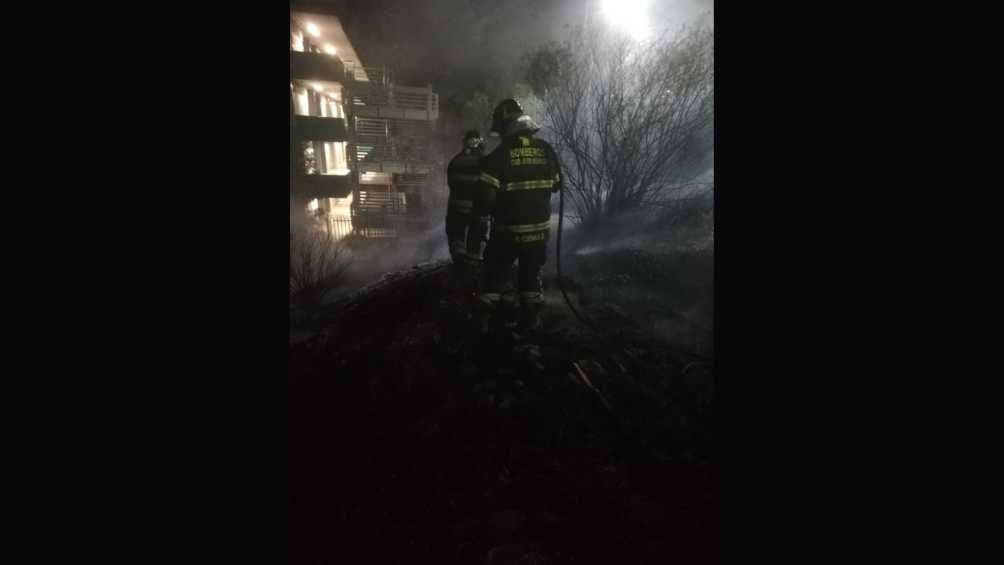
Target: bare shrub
628,118
317,265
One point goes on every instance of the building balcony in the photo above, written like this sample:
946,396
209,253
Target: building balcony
394,166
313,128
322,186
368,77
366,151
317,66
396,113
396,102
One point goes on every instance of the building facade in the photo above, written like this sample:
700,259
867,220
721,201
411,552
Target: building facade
359,142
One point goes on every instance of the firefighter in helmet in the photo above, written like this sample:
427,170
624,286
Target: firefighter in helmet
522,173
466,213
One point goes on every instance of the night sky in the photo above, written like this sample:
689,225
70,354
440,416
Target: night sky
465,45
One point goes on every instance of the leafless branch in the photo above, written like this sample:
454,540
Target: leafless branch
317,266
624,115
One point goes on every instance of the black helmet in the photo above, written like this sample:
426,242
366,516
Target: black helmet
473,140
504,113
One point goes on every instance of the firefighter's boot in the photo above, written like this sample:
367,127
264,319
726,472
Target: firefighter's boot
529,313
471,277
457,278
507,312
484,312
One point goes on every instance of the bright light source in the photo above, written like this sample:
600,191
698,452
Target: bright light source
330,49
313,30
630,16
318,87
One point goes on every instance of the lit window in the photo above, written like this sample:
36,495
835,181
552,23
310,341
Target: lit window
302,102
329,157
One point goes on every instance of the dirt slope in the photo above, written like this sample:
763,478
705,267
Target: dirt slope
415,439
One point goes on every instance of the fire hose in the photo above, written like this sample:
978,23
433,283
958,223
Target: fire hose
561,286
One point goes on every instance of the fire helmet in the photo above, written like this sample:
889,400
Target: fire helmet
505,112
473,140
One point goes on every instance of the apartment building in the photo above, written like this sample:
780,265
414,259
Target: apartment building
359,141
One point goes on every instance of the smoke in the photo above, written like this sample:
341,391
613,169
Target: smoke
372,259
465,47
676,12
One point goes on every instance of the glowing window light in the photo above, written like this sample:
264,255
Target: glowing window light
302,103
341,163
313,30
329,157
630,16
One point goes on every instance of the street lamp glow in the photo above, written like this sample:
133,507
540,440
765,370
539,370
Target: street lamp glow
313,30
630,16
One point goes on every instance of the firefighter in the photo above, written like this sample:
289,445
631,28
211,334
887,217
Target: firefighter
522,174
466,214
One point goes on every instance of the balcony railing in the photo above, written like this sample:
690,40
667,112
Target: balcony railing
314,128
396,102
378,203
322,186
317,66
371,127
410,182
376,152
340,226
374,76
398,167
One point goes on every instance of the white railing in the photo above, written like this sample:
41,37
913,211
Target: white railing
420,98
374,75
340,226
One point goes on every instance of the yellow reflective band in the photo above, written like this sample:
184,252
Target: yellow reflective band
531,297
531,237
488,179
528,185
461,177
525,228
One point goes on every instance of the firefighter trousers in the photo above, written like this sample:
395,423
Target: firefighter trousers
503,250
466,235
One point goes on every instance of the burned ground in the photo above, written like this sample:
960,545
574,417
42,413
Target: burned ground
416,439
